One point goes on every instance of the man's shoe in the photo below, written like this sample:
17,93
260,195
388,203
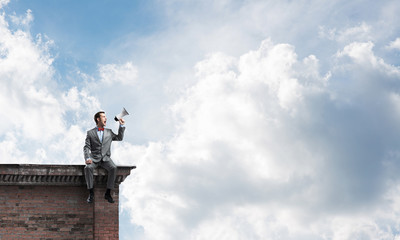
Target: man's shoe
90,198
109,198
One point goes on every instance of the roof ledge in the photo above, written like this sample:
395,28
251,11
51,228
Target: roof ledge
63,175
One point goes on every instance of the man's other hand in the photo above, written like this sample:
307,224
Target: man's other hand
89,161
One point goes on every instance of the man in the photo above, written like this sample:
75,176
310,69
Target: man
97,153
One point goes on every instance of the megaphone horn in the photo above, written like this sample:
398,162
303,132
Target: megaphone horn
121,115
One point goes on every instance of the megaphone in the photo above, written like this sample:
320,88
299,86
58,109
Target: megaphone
121,115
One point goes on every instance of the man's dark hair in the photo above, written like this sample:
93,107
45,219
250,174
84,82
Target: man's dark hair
97,115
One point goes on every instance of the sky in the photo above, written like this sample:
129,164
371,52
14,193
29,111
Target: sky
253,119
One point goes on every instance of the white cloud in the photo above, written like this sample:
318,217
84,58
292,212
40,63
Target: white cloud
3,3
9,151
357,33
80,104
74,136
362,53
267,147
25,73
112,73
23,20
35,112
395,44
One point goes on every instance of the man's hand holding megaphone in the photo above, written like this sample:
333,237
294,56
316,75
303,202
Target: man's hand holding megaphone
121,115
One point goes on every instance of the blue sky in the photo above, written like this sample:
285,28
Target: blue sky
81,27
249,119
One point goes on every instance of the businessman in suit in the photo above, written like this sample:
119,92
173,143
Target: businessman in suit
97,153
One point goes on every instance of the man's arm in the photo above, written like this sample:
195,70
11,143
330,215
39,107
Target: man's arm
121,130
120,135
87,150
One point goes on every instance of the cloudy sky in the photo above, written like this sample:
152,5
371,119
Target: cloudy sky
254,119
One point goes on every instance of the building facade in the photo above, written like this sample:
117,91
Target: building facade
49,202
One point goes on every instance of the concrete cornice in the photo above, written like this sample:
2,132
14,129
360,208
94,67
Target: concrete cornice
66,175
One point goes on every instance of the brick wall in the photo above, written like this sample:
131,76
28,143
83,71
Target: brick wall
43,212
49,202
106,222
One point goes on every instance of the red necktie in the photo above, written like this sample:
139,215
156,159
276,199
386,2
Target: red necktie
101,129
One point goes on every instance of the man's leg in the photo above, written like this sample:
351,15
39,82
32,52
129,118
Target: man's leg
112,174
89,174
89,180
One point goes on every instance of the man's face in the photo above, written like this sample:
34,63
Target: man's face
102,120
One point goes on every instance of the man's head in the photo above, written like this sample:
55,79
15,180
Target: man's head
100,119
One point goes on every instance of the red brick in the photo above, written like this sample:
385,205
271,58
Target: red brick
41,210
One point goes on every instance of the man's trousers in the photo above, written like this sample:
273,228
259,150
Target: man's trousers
108,165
